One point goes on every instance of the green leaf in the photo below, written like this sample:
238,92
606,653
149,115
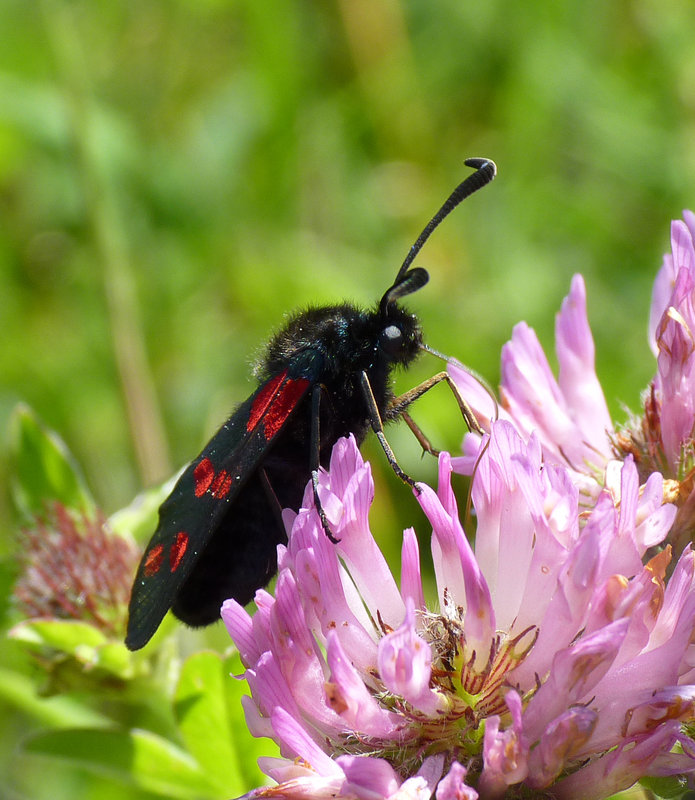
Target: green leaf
671,786
20,691
43,470
114,658
68,636
92,651
137,758
200,705
8,575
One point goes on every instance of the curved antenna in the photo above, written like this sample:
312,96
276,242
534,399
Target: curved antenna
413,280
485,171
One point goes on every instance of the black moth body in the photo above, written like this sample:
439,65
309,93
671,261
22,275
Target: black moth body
327,347
326,374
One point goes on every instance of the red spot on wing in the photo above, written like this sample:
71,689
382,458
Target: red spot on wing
203,476
222,484
282,405
153,560
270,408
263,400
178,550
206,479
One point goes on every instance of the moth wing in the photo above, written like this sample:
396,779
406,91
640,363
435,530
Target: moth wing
201,497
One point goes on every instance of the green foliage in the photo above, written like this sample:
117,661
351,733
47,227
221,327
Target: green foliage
42,470
79,645
154,722
139,759
176,176
206,705
666,787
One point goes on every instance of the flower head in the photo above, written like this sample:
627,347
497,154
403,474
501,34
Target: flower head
74,567
558,655
517,676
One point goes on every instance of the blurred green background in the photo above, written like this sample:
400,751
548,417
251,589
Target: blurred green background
176,176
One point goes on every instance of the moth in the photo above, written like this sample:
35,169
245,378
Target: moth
326,374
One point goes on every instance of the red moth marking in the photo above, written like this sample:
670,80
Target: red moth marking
205,479
222,484
154,560
178,550
263,400
203,475
282,405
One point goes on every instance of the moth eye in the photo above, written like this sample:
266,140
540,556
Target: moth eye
391,340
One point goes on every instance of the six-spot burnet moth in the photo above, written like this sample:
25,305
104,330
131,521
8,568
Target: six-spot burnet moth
326,374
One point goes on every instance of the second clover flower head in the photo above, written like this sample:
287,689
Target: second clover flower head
516,675
569,415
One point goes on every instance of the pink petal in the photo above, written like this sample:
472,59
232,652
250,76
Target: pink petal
422,785
368,778
561,740
319,581
453,786
240,627
505,753
411,579
577,375
354,702
459,580
405,661
269,688
575,673
618,770
294,739
506,531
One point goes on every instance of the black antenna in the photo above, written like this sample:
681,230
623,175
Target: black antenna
485,171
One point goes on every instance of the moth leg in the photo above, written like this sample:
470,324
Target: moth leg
272,498
316,459
420,435
378,428
400,403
